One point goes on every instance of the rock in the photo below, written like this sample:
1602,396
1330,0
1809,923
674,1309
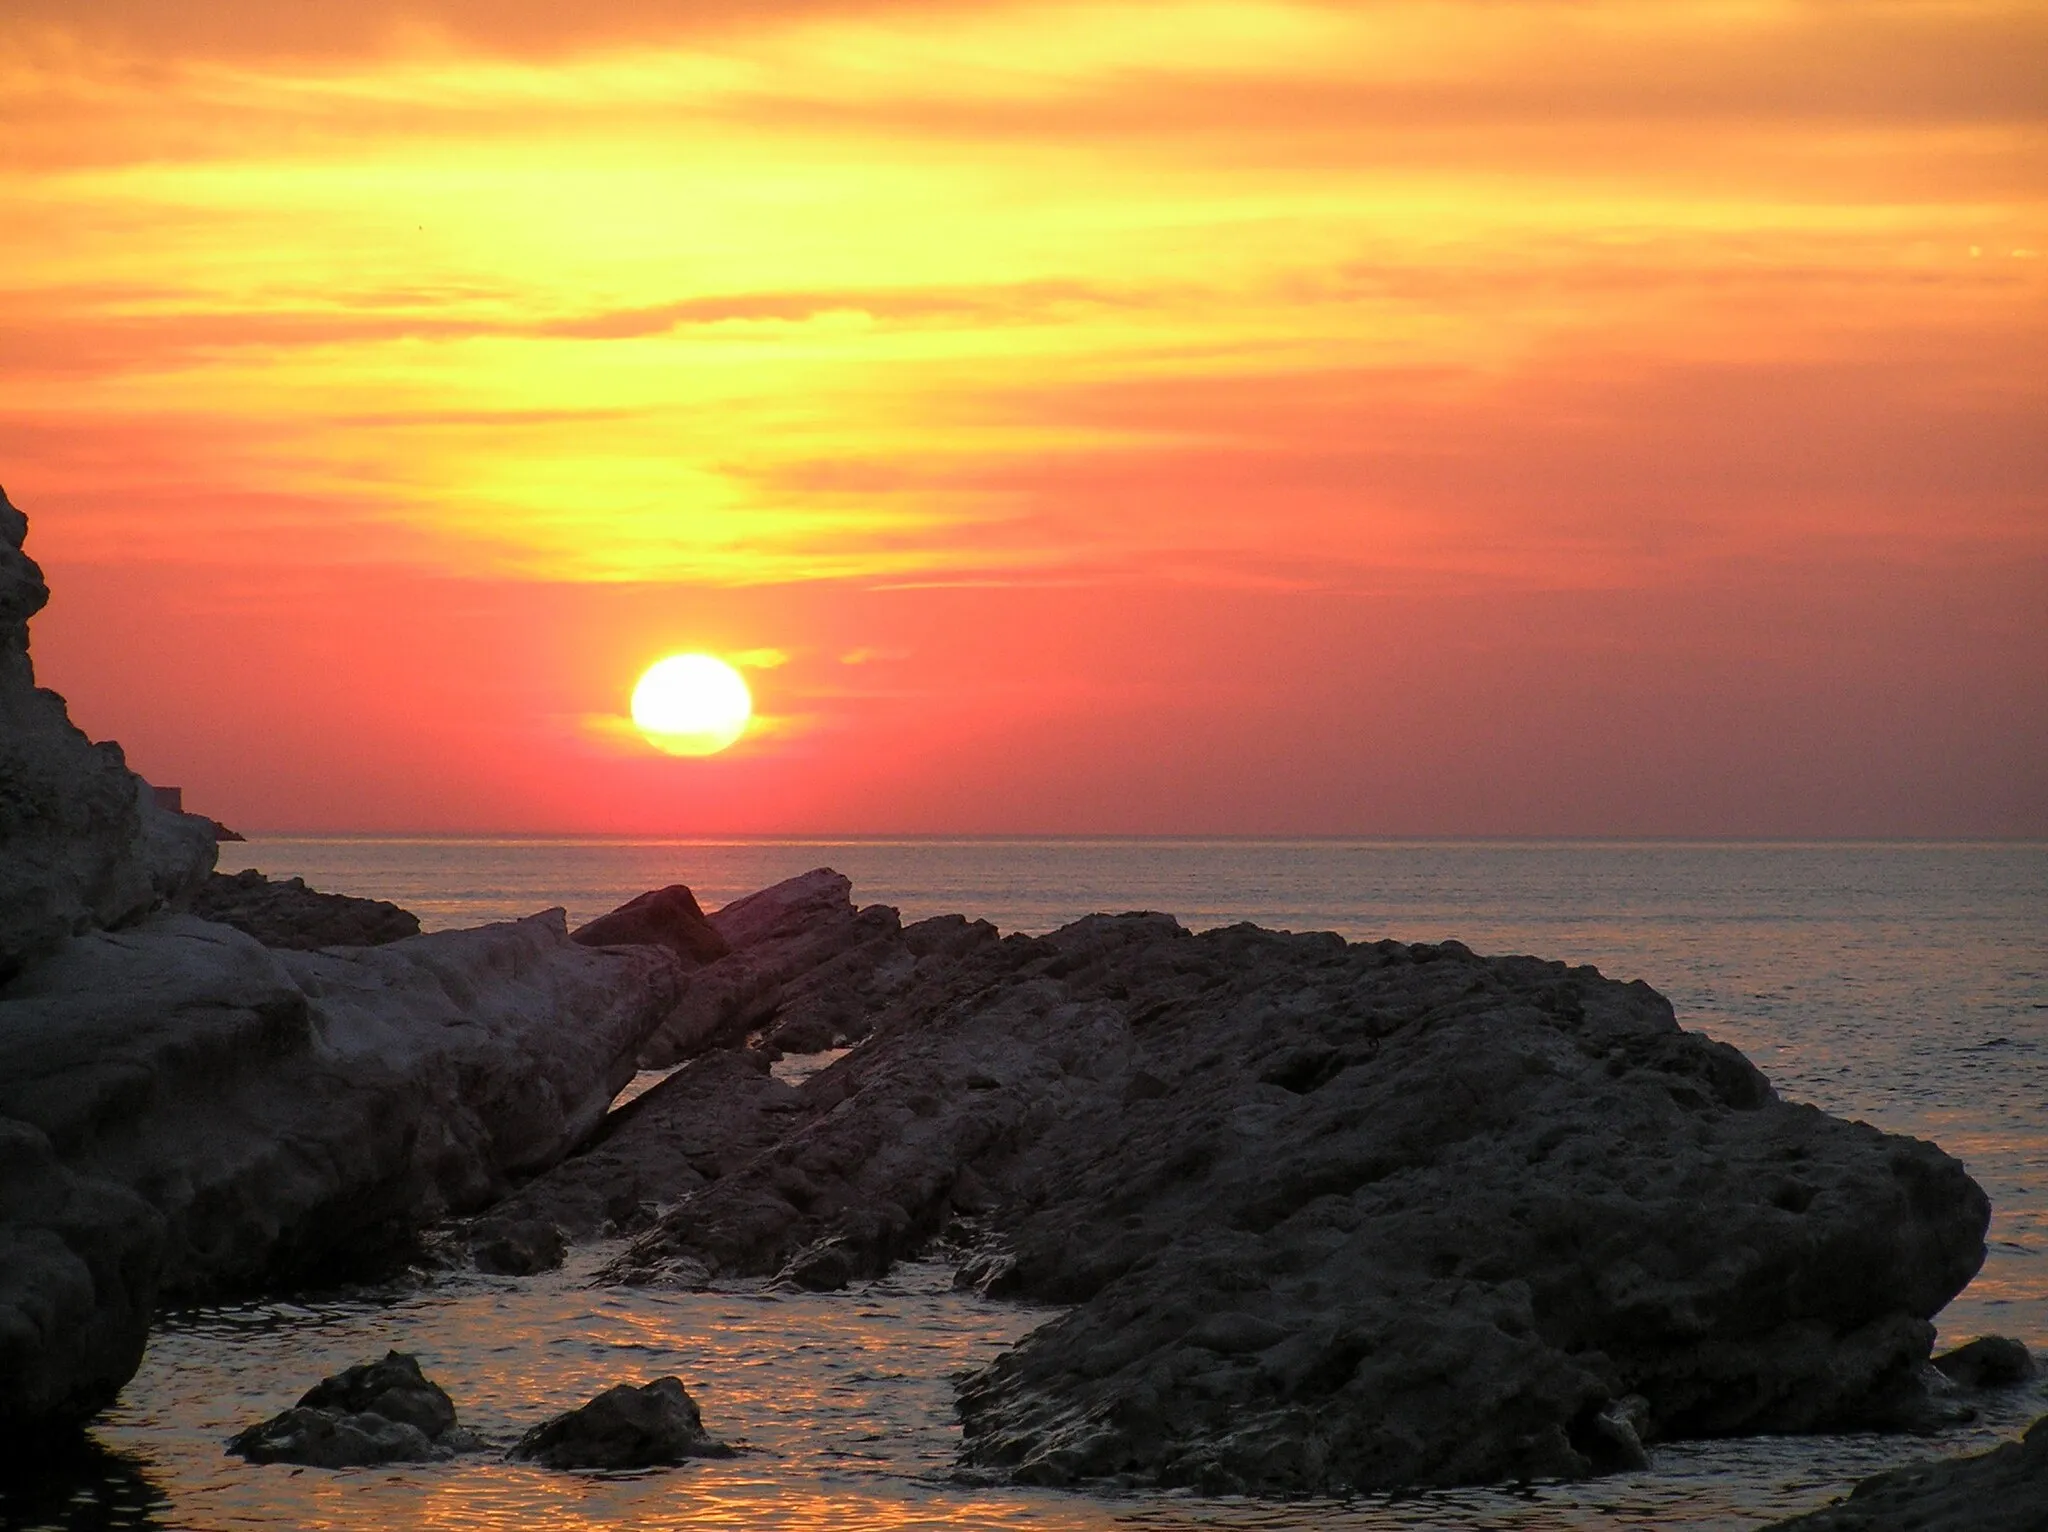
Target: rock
665,917
1349,1216
287,914
706,1120
375,1412
2004,1490
806,968
79,1258
1990,1361
83,844
520,1248
624,1427
194,1114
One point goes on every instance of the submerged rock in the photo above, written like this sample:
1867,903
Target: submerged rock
651,1426
2004,1490
519,1247
376,1412
1347,1215
285,913
1990,1361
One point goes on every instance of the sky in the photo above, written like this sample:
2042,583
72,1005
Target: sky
1581,417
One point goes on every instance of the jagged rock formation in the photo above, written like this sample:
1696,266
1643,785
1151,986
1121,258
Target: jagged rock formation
720,1111
285,913
1341,1215
2004,1490
386,1411
193,1113
654,1425
805,967
664,917
83,844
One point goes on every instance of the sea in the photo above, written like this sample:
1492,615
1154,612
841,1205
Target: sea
1905,984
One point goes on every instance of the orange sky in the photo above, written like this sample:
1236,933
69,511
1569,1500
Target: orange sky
1569,418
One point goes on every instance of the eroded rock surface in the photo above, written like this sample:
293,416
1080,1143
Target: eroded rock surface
83,844
386,1411
806,969
1342,1215
285,913
200,1114
653,1425
2004,1490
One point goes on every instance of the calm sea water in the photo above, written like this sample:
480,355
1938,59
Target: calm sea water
1905,984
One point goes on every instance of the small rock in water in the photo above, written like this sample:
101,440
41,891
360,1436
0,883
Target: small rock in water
375,1412
2004,1490
824,1266
653,1425
521,1249
1990,1361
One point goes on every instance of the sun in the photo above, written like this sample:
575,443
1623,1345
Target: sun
691,704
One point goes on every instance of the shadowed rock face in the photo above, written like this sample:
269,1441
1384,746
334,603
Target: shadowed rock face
1345,1215
285,913
199,1114
83,844
2004,1490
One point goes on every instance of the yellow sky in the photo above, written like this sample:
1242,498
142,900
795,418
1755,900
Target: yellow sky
1382,299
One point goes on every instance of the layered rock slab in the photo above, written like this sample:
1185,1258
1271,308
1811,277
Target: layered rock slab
284,912
1350,1215
202,1115
804,967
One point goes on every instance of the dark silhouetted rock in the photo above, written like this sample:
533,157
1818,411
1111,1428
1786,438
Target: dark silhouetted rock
664,917
83,843
376,1412
624,1427
285,913
1990,1361
519,1248
706,1120
189,1113
1344,1215
807,969
2004,1490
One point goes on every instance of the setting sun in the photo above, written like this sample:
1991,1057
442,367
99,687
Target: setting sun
691,704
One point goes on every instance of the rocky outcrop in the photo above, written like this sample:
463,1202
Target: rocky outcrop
651,1426
2004,1490
83,844
806,969
285,913
708,1119
198,1114
664,917
375,1412
1342,1215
